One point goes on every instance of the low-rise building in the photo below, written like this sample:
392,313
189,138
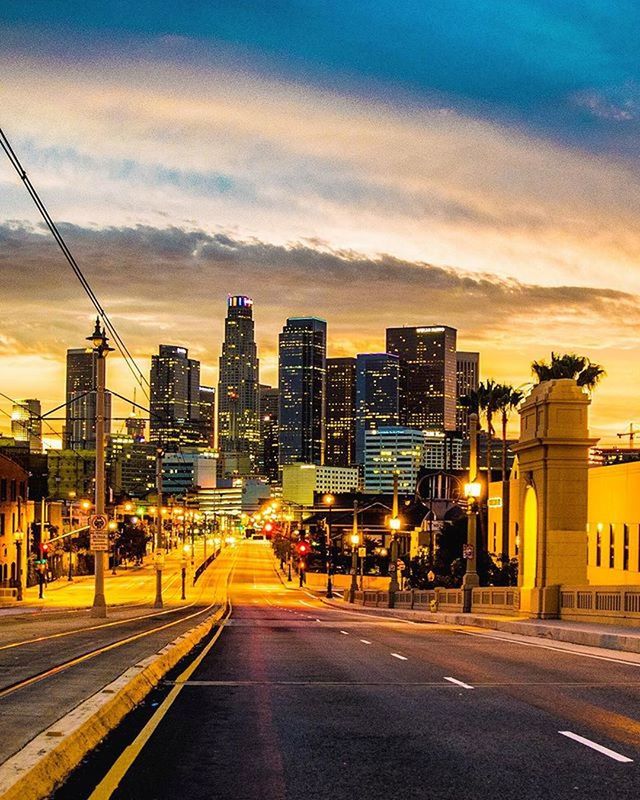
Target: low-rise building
71,473
184,472
15,516
301,481
392,451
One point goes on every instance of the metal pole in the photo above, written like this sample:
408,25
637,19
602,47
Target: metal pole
101,348
471,575
159,532
184,580
329,556
393,583
354,554
19,568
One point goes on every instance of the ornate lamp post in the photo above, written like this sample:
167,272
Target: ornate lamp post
472,491
18,537
395,524
329,500
101,348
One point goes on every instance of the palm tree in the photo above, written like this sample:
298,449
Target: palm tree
487,402
569,365
508,399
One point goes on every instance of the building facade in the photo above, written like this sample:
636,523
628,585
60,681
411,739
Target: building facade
301,481
392,450
14,517
175,399
238,398
207,416
268,459
71,473
467,380
26,423
80,411
428,354
341,412
186,472
377,395
302,374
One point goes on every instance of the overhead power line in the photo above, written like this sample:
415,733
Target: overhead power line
124,350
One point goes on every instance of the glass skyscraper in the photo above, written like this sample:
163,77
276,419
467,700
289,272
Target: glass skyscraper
341,412
238,398
80,414
429,356
378,381
175,399
302,374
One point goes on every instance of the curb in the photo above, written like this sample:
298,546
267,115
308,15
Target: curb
41,765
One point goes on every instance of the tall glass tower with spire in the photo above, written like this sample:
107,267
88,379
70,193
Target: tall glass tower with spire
238,391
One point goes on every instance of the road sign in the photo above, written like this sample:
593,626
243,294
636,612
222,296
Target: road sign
98,522
467,551
362,552
99,541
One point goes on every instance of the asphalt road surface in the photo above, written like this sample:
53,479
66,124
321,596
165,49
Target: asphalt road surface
296,700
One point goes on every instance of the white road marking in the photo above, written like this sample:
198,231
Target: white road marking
304,603
346,633
595,746
397,655
459,683
365,641
317,620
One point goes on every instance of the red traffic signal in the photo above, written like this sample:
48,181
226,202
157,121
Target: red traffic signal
268,527
303,548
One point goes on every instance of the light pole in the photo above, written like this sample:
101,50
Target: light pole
18,537
101,348
159,552
355,541
113,527
394,525
329,500
472,491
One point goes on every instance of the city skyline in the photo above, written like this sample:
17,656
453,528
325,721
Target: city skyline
296,161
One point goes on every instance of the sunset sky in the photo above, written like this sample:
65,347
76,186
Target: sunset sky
463,162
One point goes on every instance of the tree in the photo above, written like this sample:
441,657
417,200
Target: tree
569,365
488,396
507,399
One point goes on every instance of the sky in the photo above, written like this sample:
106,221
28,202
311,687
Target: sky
461,162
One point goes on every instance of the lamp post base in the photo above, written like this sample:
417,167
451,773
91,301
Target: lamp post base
158,601
99,608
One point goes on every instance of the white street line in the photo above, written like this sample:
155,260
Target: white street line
595,746
459,683
397,655
317,620
365,641
304,603
346,633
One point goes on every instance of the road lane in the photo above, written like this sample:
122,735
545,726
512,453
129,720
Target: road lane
287,707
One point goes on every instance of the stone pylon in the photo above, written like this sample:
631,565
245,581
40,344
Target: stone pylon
553,456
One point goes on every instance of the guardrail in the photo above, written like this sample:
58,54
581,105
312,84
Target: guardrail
495,599
604,602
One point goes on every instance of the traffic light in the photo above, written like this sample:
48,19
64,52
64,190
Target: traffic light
268,527
303,548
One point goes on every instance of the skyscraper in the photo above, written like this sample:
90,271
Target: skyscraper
467,378
175,398
26,423
238,405
207,415
377,395
80,423
341,412
268,459
301,411
429,356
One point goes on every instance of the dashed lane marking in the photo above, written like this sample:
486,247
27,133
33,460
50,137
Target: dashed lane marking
595,746
397,655
365,641
346,633
458,683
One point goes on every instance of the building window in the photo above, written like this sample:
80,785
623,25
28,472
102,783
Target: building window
599,546
495,538
1,524
625,547
517,538
612,548
14,489
3,490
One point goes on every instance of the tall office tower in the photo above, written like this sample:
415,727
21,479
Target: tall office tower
175,398
238,411
268,460
207,415
467,379
80,423
301,410
377,395
429,355
341,412
26,423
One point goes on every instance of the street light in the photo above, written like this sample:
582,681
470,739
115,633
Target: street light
472,491
329,500
355,541
113,527
101,348
18,537
394,525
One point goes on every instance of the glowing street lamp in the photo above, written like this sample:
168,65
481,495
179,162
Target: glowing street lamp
329,500
355,541
472,491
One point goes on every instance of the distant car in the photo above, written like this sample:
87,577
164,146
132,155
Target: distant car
258,537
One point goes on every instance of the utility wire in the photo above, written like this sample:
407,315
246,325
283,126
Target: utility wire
124,351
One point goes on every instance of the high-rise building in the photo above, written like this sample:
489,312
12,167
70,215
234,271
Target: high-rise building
80,423
301,410
341,412
238,402
26,423
467,379
207,415
429,355
389,451
377,395
175,398
268,457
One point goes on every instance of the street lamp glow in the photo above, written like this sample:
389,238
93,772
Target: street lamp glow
473,490
395,523
328,499
355,539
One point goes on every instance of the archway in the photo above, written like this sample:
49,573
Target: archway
529,541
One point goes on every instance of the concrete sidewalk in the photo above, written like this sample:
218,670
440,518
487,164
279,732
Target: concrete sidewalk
609,637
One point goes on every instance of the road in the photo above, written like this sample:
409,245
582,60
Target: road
294,699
